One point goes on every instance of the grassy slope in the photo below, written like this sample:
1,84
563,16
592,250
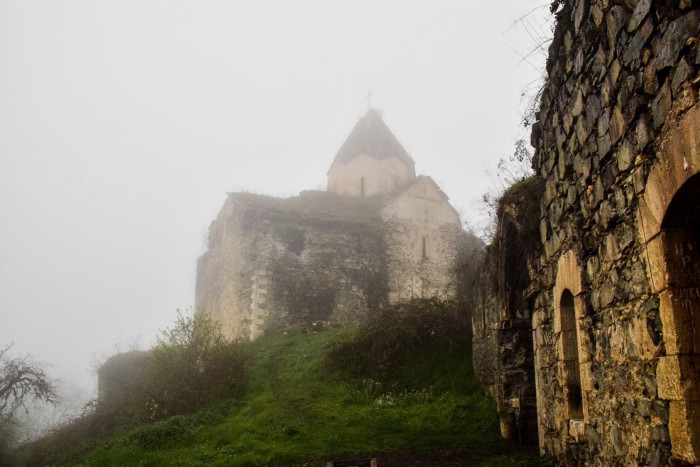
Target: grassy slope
292,412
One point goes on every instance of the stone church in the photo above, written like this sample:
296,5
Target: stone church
379,234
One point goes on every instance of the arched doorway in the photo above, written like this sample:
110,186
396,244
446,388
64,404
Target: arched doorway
667,217
680,236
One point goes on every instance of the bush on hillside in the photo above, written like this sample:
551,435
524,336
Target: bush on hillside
192,365
389,335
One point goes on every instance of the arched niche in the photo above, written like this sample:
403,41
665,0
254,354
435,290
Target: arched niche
573,397
669,226
573,361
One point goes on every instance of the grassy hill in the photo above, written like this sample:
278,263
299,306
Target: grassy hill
308,398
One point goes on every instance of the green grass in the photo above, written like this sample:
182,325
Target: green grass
292,411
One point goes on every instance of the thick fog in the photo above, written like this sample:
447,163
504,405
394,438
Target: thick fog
124,124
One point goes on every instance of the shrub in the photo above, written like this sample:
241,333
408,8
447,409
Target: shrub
192,364
389,335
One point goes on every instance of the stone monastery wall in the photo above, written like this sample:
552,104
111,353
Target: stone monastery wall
301,261
615,293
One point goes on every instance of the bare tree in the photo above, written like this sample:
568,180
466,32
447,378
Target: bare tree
22,380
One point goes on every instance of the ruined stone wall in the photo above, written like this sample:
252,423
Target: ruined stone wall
225,273
501,318
121,380
297,262
617,137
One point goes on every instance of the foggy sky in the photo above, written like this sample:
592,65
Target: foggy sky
123,124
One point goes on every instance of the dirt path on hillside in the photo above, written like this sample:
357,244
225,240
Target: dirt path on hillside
278,388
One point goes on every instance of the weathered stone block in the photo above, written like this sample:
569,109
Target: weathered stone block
642,133
638,336
616,441
632,54
577,430
649,78
673,40
677,378
684,429
577,103
656,264
606,213
661,106
624,155
615,20
681,73
583,129
617,124
680,310
638,15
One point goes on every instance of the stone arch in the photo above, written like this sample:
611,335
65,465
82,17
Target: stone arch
573,362
669,224
679,159
667,218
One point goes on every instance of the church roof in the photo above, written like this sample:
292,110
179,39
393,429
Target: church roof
315,204
372,137
415,181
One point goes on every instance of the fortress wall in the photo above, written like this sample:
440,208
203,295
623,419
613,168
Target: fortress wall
617,137
502,313
613,289
225,272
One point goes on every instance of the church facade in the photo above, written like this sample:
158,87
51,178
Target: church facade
379,234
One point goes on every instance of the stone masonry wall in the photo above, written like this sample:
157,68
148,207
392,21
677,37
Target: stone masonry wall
501,318
120,381
412,274
297,262
621,88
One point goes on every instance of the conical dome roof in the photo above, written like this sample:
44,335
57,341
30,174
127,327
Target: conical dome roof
372,137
